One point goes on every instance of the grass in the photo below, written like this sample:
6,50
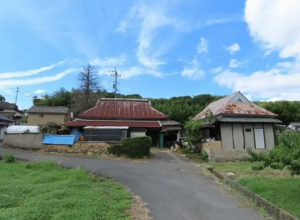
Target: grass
192,156
43,190
276,186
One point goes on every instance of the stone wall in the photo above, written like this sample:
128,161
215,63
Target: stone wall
23,141
224,155
80,147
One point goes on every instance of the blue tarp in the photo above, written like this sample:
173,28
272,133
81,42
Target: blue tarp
59,139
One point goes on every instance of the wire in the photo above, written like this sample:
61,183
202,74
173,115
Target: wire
25,90
107,27
89,18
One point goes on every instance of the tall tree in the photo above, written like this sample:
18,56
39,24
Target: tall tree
89,82
2,98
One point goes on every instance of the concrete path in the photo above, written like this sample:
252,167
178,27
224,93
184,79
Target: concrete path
172,189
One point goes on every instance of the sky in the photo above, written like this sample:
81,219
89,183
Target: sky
161,48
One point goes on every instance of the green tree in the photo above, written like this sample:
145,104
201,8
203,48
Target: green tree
2,98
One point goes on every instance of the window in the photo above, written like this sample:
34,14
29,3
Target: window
1,110
239,100
41,115
248,129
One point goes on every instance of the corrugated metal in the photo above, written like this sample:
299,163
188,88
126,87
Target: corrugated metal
169,122
248,120
59,139
123,109
83,123
225,106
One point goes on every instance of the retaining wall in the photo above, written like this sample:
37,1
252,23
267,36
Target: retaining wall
79,147
23,141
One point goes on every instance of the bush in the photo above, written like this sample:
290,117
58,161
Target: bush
1,157
9,158
116,149
137,147
205,156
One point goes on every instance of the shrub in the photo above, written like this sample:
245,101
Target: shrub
116,149
9,158
205,156
1,157
137,147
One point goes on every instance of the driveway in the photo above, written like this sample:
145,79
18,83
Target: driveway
173,189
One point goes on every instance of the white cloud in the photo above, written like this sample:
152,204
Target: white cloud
275,24
18,74
216,70
193,71
108,62
202,46
37,80
233,48
39,91
233,63
27,94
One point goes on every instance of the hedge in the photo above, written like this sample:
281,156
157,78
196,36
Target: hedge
136,147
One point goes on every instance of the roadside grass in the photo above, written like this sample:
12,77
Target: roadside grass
43,190
192,156
278,187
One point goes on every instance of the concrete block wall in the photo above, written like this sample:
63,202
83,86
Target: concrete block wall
230,154
23,141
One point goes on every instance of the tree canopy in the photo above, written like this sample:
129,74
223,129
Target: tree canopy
2,98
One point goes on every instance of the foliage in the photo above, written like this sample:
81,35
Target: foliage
1,158
43,190
286,154
61,97
52,128
2,98
9,158
116,149
193,132
205,156
137,147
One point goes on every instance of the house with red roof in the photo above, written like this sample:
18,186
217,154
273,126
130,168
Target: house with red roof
234,123
113,119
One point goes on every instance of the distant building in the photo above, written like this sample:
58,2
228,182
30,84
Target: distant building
116,119
11,111
294,126
41,115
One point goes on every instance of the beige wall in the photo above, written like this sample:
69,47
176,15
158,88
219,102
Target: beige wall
226,135
35,119
240,136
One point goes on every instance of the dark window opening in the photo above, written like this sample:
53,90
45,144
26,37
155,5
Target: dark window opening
239,100
248,129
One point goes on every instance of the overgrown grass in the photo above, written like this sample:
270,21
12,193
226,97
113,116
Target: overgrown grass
283,192
196,157
43,190
276,186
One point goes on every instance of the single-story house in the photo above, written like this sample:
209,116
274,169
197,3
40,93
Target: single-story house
4,123
234,123
11,111
42,115
113,119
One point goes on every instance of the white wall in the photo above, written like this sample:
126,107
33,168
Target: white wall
226,133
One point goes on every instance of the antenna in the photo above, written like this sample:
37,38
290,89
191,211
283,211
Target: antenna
115,84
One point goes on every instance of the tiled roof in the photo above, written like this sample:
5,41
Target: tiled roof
225,106
83,123
247,120
295,123
7,105
3,118
49,109
123,109
169,122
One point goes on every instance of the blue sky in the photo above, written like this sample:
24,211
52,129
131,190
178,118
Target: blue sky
162,48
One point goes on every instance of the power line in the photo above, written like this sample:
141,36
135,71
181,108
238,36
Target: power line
89,18
107,28
17,95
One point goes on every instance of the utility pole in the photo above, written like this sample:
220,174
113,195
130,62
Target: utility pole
17,95
115,84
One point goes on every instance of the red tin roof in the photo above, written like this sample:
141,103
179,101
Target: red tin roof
83,123
226,106
123,109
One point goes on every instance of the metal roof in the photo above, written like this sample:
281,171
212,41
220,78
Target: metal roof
2,117
84,123
169,122
123,109
225,106
49,109
247,120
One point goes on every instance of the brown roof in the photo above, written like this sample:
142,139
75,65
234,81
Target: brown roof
48,109
83,123
225,106
123,109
